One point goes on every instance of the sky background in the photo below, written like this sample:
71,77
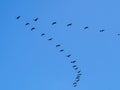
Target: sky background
30,62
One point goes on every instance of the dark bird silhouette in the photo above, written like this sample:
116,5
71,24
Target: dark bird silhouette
18,17
79,74
102,30
78,71
61,50
74,66
68,55
27,24
77,80
73,61
35,19
42,34
32,28
69,24
58,45
54,23
75,85
50,39
86,27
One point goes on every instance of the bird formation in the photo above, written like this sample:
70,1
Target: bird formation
73,62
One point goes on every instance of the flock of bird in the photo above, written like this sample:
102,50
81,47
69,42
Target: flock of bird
73,62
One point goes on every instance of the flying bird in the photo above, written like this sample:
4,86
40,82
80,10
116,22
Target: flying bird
58,45
78,71
69,24
73,61
50,39
18,17
32,29
75,85
74,66
68,55
54,23
27,24
61,50
35,19
42,34
102,30
86,27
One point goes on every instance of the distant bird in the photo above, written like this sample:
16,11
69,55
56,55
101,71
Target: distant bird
35,19
86,27
77,80
32,28
102,30
78,71
18,17
50,39
61,50
54,23
68,55
79,74
75,85
42,34
69,24
27,24
58,45
73,61
74,66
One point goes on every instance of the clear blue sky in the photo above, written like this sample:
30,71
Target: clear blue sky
30,62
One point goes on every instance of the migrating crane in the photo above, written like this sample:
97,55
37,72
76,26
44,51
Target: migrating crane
61,50
102,30
42,34
27,24
58,45
86,27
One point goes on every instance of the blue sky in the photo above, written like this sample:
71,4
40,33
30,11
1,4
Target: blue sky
30,62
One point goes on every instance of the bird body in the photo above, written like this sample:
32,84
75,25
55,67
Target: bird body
54,23
69,24
102,30
50,39
27,24
86,27
18,17
35,19
58,45
32,29
42,34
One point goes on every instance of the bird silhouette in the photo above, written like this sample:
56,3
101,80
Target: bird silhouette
58,45
35,19
42,34
78,71
50,39
118,34
18,17
73,61
74,66
69,24
68,55
33,28
102,30
61,50
54,23
27,24
86,27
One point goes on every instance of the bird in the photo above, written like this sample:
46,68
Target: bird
35,19
79,74
86,27
73,61
32,28
77,80
69,24
74,83
68,55
42,34
58,45
78,71
27,24
61,50
50,39
18,17
54,23
102,30
74,66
